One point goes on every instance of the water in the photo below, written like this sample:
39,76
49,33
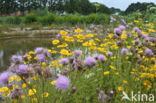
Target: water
9,47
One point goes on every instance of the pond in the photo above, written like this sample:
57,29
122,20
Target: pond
19,45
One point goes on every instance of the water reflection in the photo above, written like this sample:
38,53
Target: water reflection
1,57
9,47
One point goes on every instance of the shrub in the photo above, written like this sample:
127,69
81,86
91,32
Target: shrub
59,19
12,20
49,19
96,19
30,18
41,12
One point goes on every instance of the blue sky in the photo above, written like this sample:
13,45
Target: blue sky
122,4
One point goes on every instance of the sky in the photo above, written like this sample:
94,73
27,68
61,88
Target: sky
122,4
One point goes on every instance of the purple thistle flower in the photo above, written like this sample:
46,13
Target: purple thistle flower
122,28
62,82
41,57
4,77
136,29
124,51
90,61
109,53
58,36
77,53
64,61
103,97
74,89
95,56
139,32
144,36
22,69
101,58
148,52
16,58
117,31
38,50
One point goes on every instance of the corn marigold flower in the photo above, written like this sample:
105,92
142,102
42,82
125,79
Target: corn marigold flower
4,77
55,41
62,82
90,61
31,92
124,51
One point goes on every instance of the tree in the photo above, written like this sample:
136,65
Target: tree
138,7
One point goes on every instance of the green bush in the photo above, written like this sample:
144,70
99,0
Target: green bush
41,12
12,20
72,19
49,19
30,18
96,19
59,19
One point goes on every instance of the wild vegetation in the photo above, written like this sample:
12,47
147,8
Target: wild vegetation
111,58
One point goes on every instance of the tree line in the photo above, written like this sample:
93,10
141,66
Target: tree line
67,6
55,6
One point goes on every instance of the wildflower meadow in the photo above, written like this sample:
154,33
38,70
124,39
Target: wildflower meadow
77,51
85,67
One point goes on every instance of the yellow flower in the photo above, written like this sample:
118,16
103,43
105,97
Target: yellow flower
15,86
89,35
117,73
106,73
44,64
65,52
53,82
22,96
12,78
46,94
80,36
31,52
120,88
55,41
53,51
33,100
63,33
14,101
24,85
123,36
78,30
34,78
4,89
136,21
147,83
125,81
69,39
31,92
112,67
110,36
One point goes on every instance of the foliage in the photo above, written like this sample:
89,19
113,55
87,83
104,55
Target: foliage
139,6
30,18
96,67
